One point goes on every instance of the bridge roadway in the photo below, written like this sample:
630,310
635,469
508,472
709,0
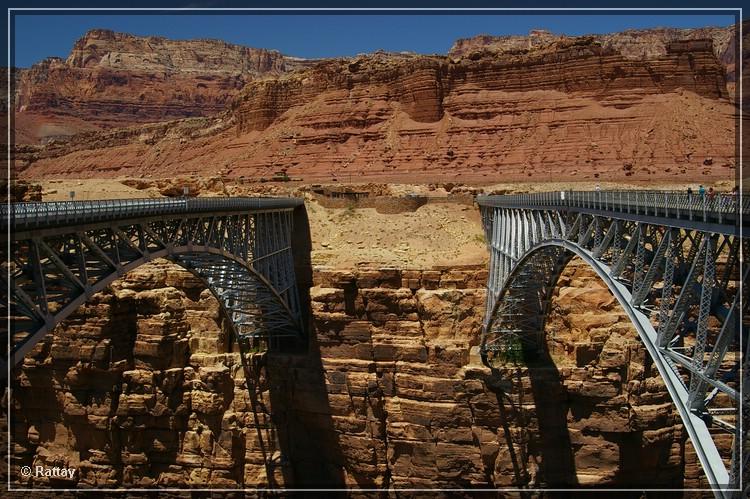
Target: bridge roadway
673,262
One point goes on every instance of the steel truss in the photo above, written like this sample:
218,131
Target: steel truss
679,283
63,253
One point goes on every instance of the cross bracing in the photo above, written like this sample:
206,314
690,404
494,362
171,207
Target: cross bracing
64,252
673,261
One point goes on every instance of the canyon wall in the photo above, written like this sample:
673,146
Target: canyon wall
633,43
571,110
398,353
105,48
116,79
141,387
427,87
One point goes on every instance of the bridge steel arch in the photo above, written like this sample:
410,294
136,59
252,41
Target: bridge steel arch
62,253
674,263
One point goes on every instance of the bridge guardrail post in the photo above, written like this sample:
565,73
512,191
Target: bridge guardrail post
628,201
637,201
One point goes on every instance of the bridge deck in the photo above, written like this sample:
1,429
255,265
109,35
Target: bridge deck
720,213
35,216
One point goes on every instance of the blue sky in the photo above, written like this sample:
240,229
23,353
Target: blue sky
37,36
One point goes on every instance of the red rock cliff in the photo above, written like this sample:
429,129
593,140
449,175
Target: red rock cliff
116,79
633,43
422,85
570,110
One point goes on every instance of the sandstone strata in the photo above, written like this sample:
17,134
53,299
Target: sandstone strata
116,79
141,388
572,110
105,48
633,43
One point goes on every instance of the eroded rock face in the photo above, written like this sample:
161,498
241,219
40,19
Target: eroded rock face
55,101
633,44
105,48
427,87
621,425
572,110
141,387
594,413
117,79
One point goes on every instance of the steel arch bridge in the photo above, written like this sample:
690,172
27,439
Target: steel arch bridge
61,253
674,263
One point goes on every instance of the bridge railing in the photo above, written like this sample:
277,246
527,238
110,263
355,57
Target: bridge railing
24,216
720,206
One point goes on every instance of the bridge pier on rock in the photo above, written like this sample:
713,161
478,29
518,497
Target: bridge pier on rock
672,262
242,250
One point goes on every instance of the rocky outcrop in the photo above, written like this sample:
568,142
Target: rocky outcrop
142,388
116,79
20,191
637,44
572,110
104,48
54,100
205,187
611,397
592,414
428,87
509,44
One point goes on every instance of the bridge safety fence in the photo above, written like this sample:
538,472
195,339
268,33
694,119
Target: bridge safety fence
720,205
35,215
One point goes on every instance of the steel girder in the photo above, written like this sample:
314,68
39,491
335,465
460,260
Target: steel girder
680,286
241,249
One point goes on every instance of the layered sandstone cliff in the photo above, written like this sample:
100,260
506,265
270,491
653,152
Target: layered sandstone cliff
635,44
427,88
116,79
142,388
105,48
572,110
